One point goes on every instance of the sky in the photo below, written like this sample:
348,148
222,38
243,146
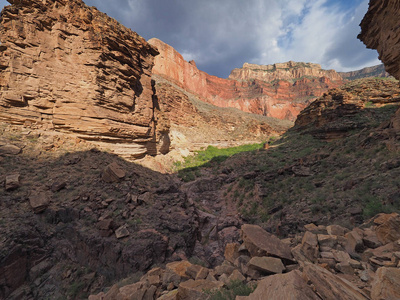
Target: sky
220,35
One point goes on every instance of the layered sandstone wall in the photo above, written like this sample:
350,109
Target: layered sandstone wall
67,66
280,91
290,71
380,30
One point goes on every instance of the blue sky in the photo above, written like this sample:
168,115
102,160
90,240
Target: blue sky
222,35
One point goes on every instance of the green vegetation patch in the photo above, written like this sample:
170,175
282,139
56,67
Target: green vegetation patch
189,169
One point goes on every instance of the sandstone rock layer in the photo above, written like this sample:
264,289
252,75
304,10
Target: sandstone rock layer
67,66
337,112
279,90
380,30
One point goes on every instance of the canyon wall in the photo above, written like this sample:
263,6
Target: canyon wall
290,71
374,71
279,90
380,30
69,67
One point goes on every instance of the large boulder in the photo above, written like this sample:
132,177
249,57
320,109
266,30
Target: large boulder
388,228
330,286
290,286
267,265
261,243
386,285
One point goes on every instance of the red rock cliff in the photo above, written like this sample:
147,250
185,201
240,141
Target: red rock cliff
267,90
67,66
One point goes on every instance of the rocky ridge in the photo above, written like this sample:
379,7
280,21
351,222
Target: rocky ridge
59,70
290,71
279,91
375,71
325,262
335,114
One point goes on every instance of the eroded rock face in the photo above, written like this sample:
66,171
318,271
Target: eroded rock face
289,71
67,66
340,110
380,31
264,90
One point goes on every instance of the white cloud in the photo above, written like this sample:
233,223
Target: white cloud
222,35
312,31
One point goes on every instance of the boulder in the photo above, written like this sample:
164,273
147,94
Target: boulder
113,173
196,289
388,230
330,286
354,242
386,285
12,182
267,265
196,272
39,202
308,250
231,252
290,286
58,186
327,242
370,239
236,276
169,296
9,149
241,263
225,268
261,243
179,268
336,230
122,232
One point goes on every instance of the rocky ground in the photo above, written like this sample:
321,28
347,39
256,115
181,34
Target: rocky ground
67,210
326,262
75,220
340,167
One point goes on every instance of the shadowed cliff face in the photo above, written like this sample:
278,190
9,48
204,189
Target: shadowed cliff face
67,66
280,91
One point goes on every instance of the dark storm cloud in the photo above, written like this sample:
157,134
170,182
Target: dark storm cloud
224,34
218,35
